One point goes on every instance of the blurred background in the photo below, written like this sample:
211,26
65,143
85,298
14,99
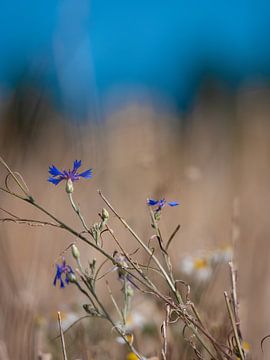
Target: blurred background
161,100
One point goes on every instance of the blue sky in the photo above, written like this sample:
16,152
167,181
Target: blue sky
80,50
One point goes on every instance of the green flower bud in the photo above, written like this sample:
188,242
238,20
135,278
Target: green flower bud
72,277
129,290
69,186
105,214
92,311
75,252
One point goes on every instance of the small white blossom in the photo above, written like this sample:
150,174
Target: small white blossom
198,267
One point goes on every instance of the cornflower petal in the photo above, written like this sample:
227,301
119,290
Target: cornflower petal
86,174
55,279
57,275
152,202
54,171
160,204
173,203
62,270
76,165
55,181
72,175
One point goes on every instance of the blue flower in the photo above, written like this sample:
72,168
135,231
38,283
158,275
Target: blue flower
161,203
57,176
65,270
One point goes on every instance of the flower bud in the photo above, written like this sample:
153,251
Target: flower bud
69,186
90,310
75,252
105,214
129,290
71,277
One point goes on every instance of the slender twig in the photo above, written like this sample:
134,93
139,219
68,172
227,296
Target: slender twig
230,311
194,325
164,252
62,336
172,237
140,241
114,302
78,212
164,332
133,264
72,325
235,302
29,222
116,327
9,213
96,278
24,189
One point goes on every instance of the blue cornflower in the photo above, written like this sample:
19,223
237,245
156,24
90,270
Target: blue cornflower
69,175
63,269
161,203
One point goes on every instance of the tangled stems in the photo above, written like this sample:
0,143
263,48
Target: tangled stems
180,307
193,325
146,248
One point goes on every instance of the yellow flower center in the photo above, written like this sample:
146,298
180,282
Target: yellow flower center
132,356
246,346
200,263
129,338
129,320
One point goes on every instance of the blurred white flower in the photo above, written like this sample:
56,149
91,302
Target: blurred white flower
197,266
135,320
68,318
187,265
121,341
222,255
227,252
202,269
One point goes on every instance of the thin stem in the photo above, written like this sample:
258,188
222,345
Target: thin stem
242,356
29,222
116,327
15,178
114,302
78,212
62,336
86,294
126,225
71,230
135,266
172,237
234,297
193,326
161,243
